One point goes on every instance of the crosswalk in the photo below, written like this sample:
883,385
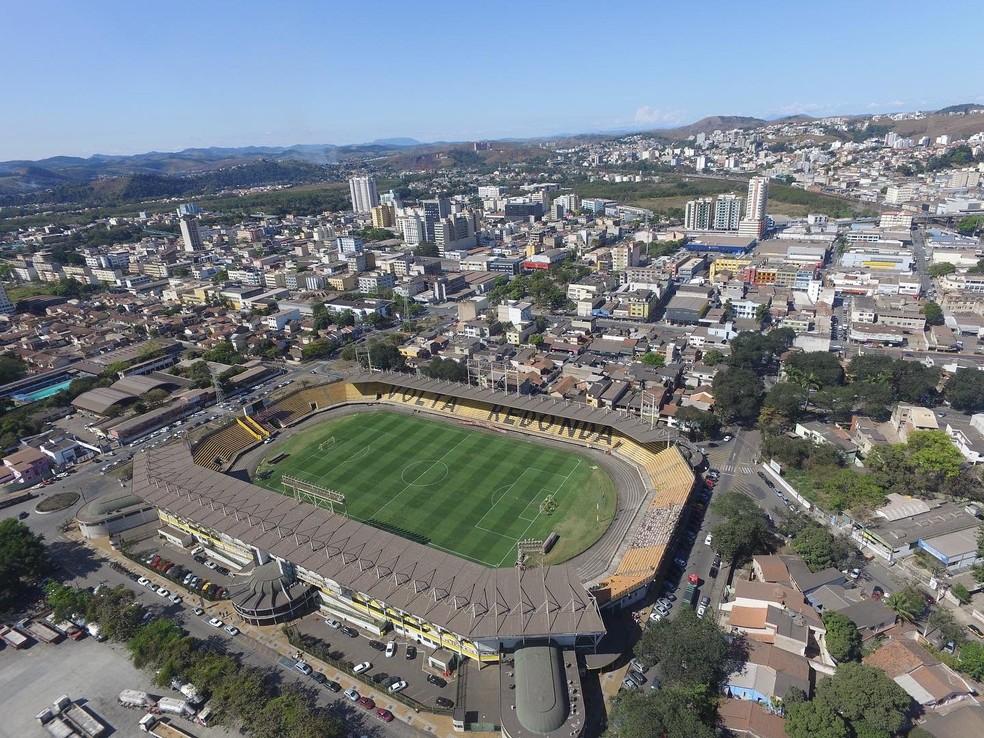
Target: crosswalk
736,468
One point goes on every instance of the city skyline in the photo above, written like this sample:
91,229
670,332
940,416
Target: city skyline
111,82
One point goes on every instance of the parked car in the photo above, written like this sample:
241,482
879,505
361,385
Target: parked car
332,686
215,622
350,632
176,599
352,694
366,703
398,686
437,681
319,677
231,630
701,610
362,667
637,677
629,684
975,630
376,646
390,649
331,623
303,667
385,715
410,653
444,702
655,616
199,611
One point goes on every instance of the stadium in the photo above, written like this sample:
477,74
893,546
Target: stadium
465,519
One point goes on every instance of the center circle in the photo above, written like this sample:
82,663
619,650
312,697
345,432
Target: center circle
424,473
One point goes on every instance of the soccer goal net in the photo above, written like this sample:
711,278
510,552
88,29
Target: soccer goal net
327,444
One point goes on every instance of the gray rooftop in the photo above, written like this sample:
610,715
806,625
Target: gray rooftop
627,425
471,600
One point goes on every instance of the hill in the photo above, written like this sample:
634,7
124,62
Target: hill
712,123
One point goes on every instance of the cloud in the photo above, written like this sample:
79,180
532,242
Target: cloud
648,115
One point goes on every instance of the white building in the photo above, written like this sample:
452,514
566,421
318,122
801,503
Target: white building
699,214
364,194
190,236
727,212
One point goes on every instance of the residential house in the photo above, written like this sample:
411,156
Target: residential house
929,682
768,674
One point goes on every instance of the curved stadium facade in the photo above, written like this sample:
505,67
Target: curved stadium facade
377,579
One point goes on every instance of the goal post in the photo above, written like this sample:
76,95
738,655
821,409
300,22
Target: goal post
315,494
529,552
327,444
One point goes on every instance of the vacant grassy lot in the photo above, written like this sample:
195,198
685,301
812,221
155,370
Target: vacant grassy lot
470,492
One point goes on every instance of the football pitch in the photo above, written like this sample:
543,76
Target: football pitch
471,492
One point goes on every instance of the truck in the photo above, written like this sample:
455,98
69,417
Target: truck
94,630
159,728
68,719
136,698
690,594
13,637
43,632
71,630
175,707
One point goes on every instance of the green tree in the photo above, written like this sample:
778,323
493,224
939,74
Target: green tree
784,404
699,423
843,639
743,530
961,593
675,711
448,369
653,358
942,622
971,659
941,269
738,395
23,559
965,390
688,649
713,357
866,699
814,720
933,313
848,490
117,611
820,549
64,600
908,603
814,369
151,643
11,368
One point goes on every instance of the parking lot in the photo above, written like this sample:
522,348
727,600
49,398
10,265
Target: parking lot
198,566
384,670
87,671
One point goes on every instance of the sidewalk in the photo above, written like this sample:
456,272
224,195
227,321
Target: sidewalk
272,637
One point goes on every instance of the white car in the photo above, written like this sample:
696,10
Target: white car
390,649
708,539
215,622
332,623
397,686
163,593
231,630
303,668
143,581
364,666
655,616
210,564
352,694
176,599
701,610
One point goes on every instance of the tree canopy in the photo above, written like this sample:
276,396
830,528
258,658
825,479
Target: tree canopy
820,549
843,639
965,390
688,649
814,369
23,559
674,711
743,530
738,395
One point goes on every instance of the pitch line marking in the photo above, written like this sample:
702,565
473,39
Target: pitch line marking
398,494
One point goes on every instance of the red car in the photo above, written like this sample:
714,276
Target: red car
385,715
365,703
693,579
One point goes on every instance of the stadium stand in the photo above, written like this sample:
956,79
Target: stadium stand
673,479
664,470
216,449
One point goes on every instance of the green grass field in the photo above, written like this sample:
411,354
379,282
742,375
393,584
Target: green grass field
473,493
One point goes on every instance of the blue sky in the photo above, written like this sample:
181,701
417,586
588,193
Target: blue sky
117,77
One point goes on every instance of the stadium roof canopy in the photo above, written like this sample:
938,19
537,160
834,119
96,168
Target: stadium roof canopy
101,399
628,425
466,598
